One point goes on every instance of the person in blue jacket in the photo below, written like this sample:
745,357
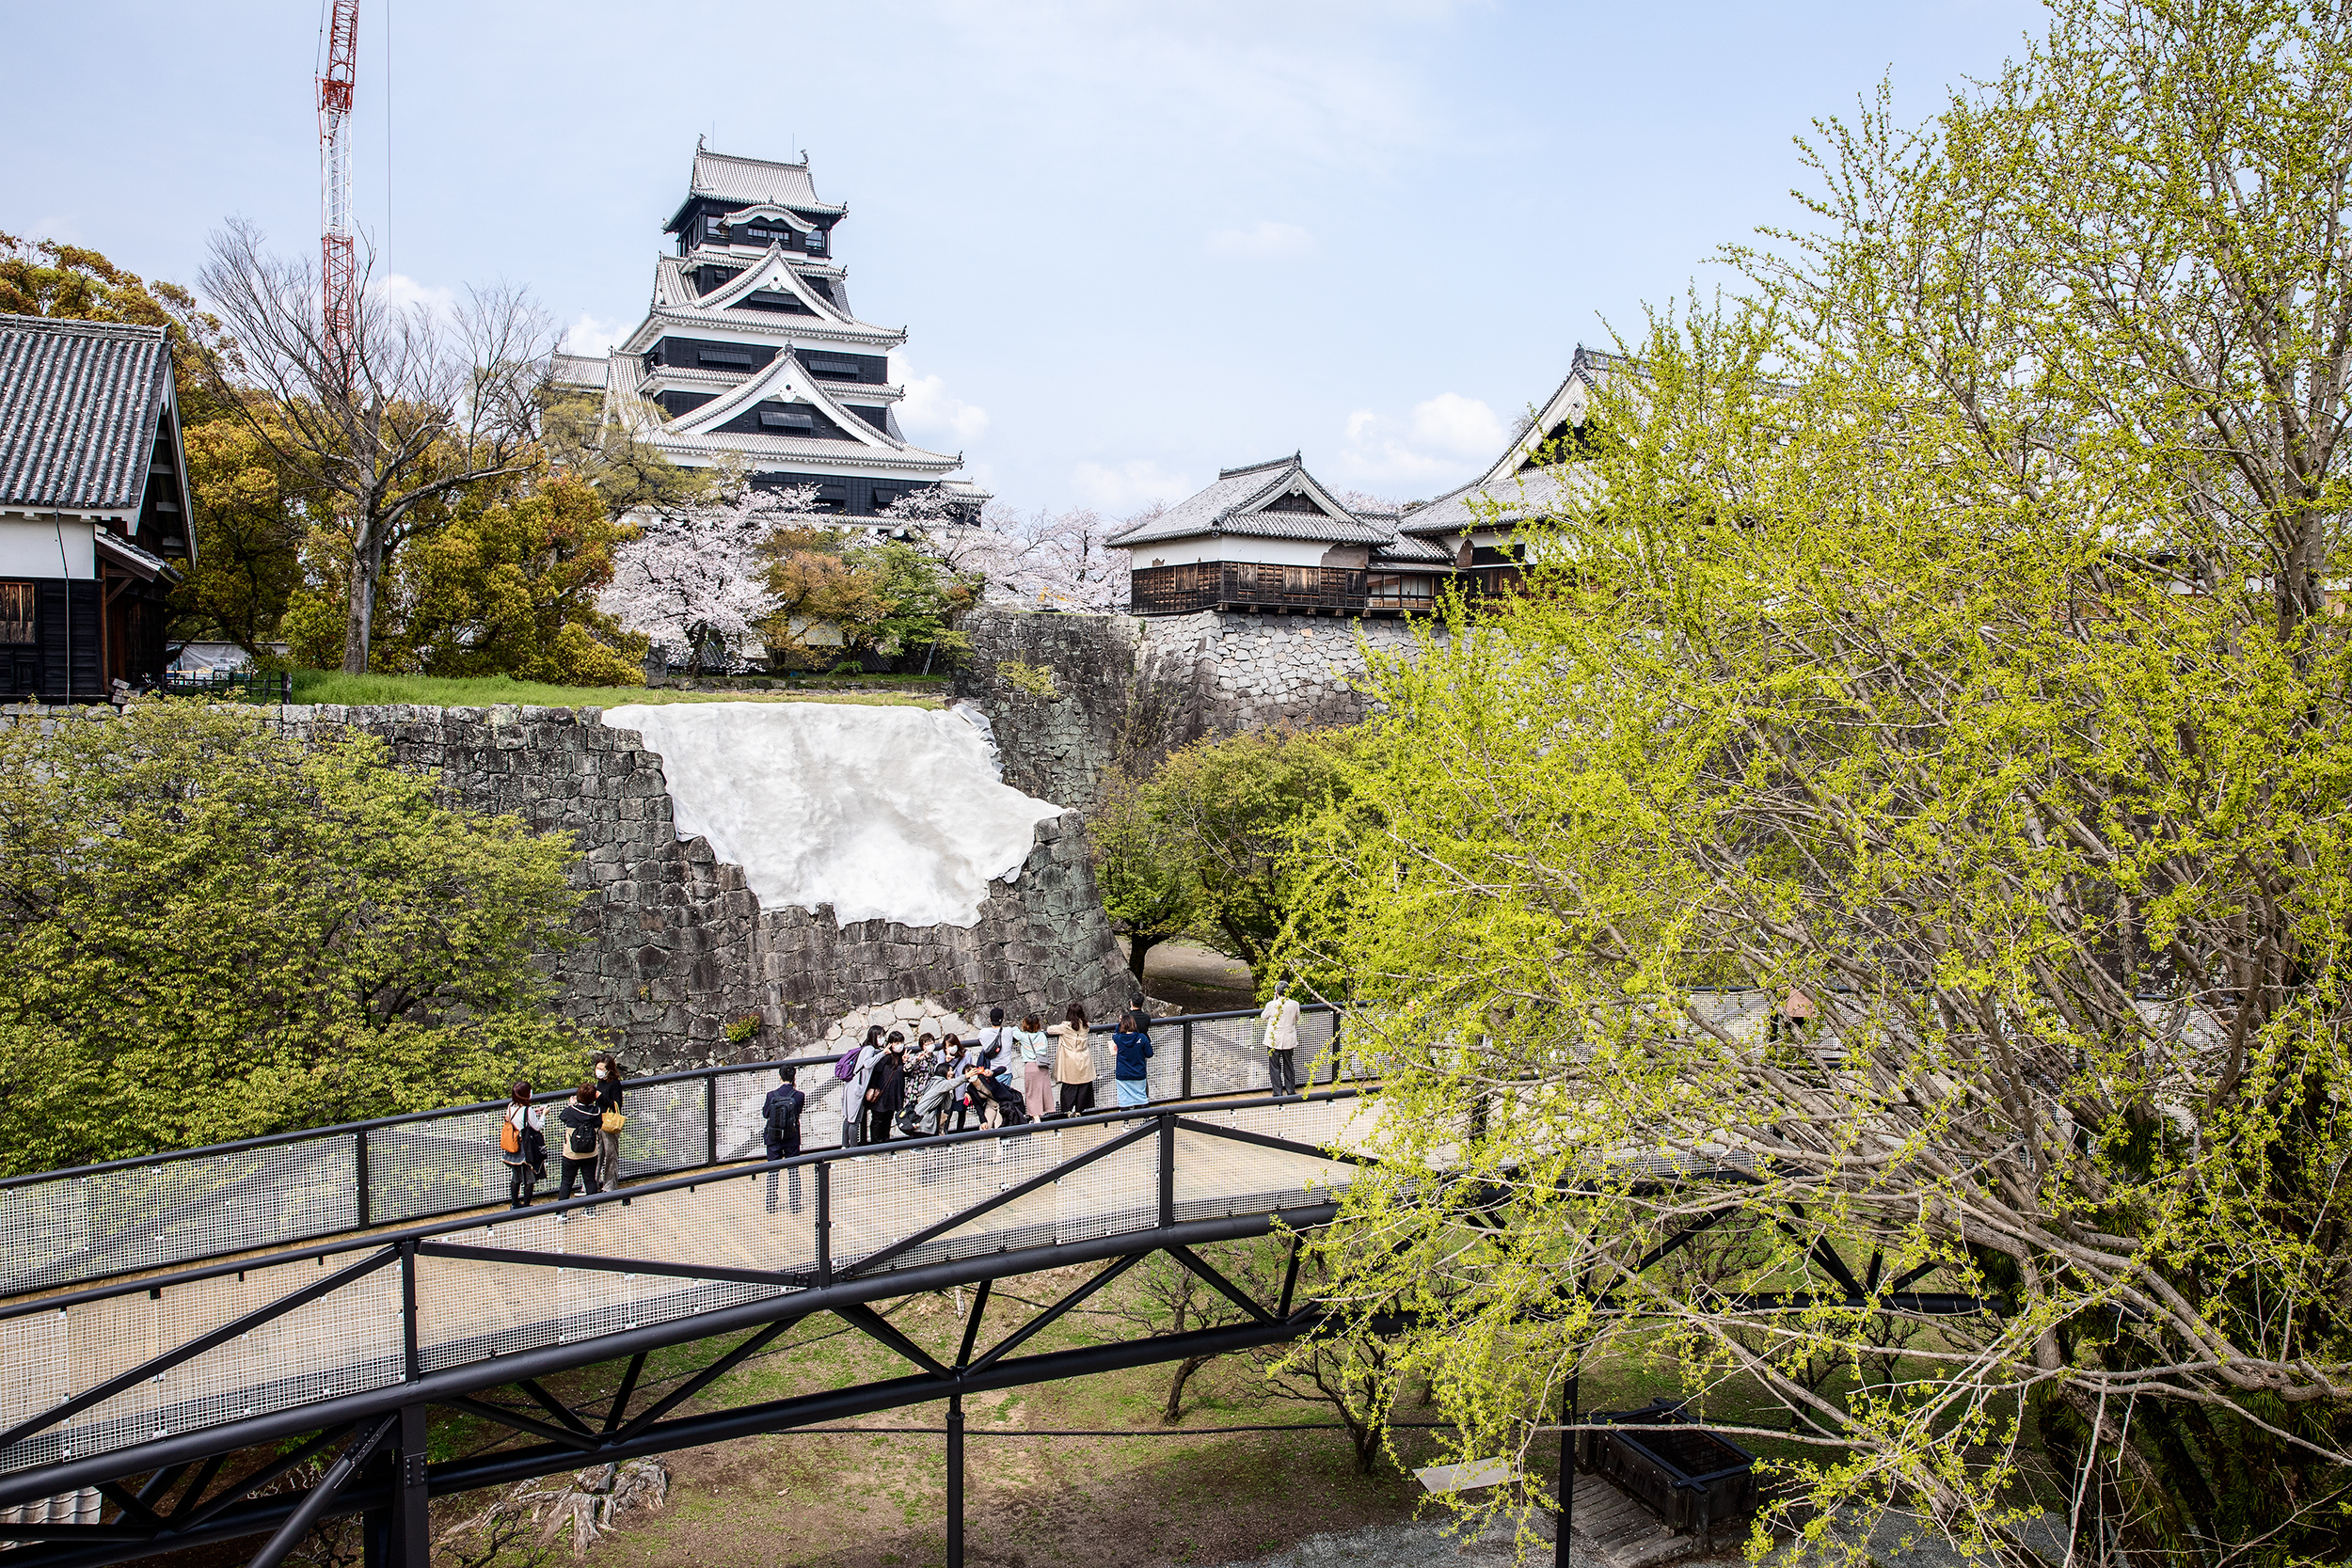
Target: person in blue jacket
1133,1041
780,1128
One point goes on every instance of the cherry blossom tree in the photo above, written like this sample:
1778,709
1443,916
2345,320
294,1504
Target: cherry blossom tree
694,580
1047,559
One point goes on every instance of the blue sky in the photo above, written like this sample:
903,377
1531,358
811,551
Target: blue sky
1133,242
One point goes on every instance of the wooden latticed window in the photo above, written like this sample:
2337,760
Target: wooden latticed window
16,612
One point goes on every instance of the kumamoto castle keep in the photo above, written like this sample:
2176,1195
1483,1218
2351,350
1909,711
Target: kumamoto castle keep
750,349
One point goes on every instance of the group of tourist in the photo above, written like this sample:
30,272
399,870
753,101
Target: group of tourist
588,1127
1006,1074
1010,1072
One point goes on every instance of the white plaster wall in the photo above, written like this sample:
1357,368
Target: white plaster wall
29,548
1183,552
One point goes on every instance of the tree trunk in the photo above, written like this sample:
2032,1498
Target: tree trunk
1140,947
1174,1411
366,565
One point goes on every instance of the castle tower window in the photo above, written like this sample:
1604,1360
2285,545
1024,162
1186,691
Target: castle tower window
832,367
725,358
790,420
816,241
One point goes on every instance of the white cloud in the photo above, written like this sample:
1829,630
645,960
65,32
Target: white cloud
592,335
400,290
1266,242
1436,441
1116,487
934,417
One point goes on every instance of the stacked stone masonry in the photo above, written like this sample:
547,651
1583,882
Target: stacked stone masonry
675,946
1127,689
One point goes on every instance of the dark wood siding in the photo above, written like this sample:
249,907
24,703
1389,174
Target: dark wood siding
750,423
871,370
851,495
41,671
688,354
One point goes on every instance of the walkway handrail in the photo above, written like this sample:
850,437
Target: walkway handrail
232,1352
95,1222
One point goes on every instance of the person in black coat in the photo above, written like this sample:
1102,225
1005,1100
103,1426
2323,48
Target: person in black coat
608,1069
780,1126
581,1122
887,1091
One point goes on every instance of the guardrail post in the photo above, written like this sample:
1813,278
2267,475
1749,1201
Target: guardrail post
412,1525
824,1223
710,1121
1568,1475
413,1356
1168,1170
955,1481
366,1208
1185,1090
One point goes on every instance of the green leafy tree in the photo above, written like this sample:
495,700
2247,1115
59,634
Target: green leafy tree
1944,635
1221,816
248,538
510,588
883,596
1145,889
210,931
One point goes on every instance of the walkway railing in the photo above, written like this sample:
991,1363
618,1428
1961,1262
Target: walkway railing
308,1338
96,1222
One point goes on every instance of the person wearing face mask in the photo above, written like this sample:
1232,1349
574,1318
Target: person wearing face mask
608,1081
886,1090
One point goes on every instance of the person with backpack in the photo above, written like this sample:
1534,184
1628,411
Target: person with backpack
1074,1062
608,1069
1132,1040
523,1145
780,1128
854,1071
581,1123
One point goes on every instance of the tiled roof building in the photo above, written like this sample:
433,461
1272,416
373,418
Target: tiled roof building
94,505
1270,537
750,351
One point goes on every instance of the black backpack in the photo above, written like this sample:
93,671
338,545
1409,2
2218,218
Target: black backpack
580,1143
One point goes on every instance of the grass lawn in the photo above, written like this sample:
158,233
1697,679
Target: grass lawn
333,686
872,1499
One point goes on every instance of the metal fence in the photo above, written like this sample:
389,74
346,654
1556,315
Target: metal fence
309,1331
71,1226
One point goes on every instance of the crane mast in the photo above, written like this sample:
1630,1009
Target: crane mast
338,264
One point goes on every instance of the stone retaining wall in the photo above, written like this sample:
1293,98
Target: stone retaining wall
1127,690
676,945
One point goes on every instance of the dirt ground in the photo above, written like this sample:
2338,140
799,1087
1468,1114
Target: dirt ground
1197,978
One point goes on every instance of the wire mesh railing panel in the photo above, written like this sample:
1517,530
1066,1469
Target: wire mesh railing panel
150,1216
912,1188
420,1168
1226,1058
35,1349
347,1341
1118,1192
741,1135
668,1127
470,1311
1218,1177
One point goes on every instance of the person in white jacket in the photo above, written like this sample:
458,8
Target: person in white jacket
853,1089
1280,1021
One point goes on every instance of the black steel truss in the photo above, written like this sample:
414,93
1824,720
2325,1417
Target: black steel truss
569,1442
389,1423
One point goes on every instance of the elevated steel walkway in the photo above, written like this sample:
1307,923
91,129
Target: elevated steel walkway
149,1389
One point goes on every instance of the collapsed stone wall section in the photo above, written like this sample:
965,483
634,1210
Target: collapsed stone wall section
1125,690
674,944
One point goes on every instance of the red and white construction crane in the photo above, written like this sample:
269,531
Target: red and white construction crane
339,271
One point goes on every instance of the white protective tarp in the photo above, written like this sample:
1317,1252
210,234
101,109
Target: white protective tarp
884,812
